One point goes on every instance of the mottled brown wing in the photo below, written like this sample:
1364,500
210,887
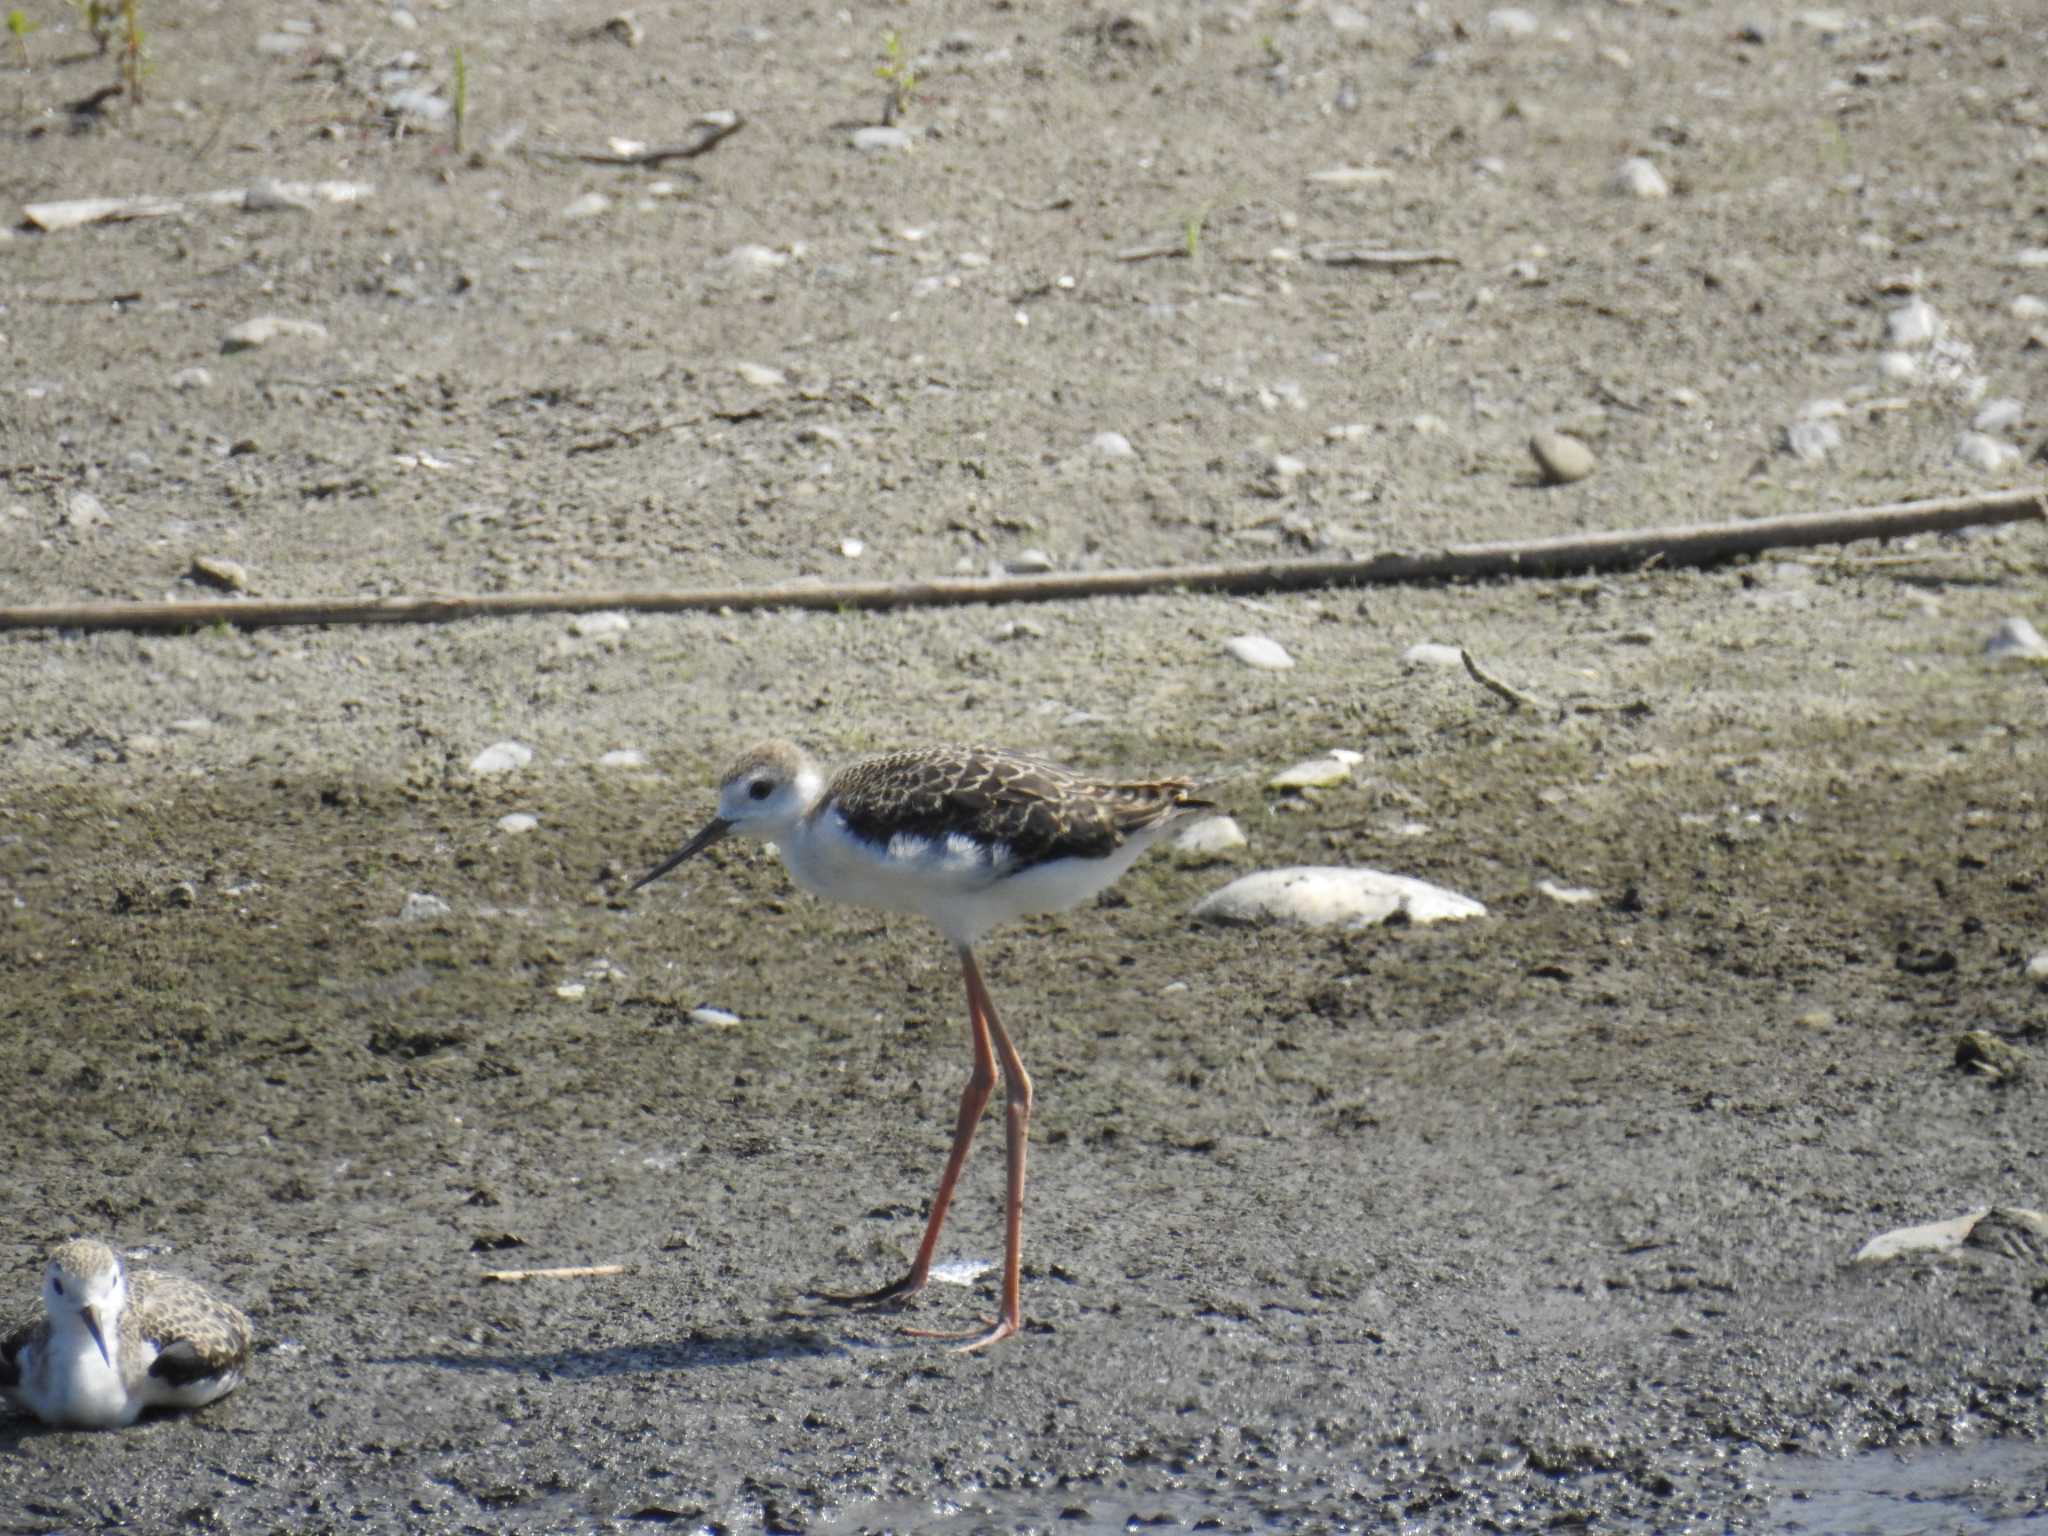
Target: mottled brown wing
196,1333
1039,809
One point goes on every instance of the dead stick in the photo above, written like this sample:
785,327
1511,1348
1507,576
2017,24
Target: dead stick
1515,697
571,1272
1704,544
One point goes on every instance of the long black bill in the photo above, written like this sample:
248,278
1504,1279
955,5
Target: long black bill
716,829
92,1326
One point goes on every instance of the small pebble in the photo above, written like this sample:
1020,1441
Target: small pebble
1325,772
225,575
716,1018
2016,639
501,757
1512,21
880,140
82,509
518,821
1980,451
1429,653
420,907
1259,651
760,375
2029,306
1111,445
853,549
262,330
1566,895
588,206
1640,178
1208,840
623,757
1561,458
1028,562
2037,969
1997,415
754,260
1810,442
192,378
1913,324
589,626
1934,1237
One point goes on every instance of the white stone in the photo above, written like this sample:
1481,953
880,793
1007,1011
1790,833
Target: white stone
760,375
1566,895
1980,451
1562,458
1111,445
518,821
2016,639
192,378
1208,840
2029,306
588,206
1997,415
609,621
880,140
262,330
1313,896
1640,178
1934,1237
420,908
623,757
1810,442
1028,562
1352,176
1512,21
754,260
2037,969
1259,651
501,757
716,1018
1914,323
853,549
1428,653
1325,772
82,509
1898,367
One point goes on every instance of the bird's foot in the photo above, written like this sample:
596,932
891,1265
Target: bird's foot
996,1330
888,1296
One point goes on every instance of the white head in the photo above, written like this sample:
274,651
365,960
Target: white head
766,791
84,1280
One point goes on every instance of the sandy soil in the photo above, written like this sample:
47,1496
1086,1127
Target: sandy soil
1536,1221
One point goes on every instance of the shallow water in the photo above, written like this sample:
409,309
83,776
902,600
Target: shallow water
1993,1485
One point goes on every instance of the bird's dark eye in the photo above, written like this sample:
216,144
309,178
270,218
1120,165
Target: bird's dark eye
760,789
57,1285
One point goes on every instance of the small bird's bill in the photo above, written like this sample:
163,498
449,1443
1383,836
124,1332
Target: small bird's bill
713,831
92,1326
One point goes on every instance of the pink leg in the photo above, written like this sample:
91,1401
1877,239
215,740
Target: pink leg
1017,1126
973,1100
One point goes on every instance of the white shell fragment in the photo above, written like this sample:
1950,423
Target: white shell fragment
1566,895
716,1018
1326,896
1259,651
420,907
1934,1237
1430,653
501,757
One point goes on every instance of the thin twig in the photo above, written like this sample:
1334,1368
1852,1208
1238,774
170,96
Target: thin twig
1621,549
1515,697
569,1272
717,128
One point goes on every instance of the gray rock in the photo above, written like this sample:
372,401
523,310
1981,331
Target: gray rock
420,907
1914,323
1429,653
1810,441
192,378
82,509
1980,451
1997,415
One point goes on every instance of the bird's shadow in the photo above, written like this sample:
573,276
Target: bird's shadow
703,1350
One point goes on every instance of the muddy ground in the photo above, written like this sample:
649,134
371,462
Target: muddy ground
1542,1220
